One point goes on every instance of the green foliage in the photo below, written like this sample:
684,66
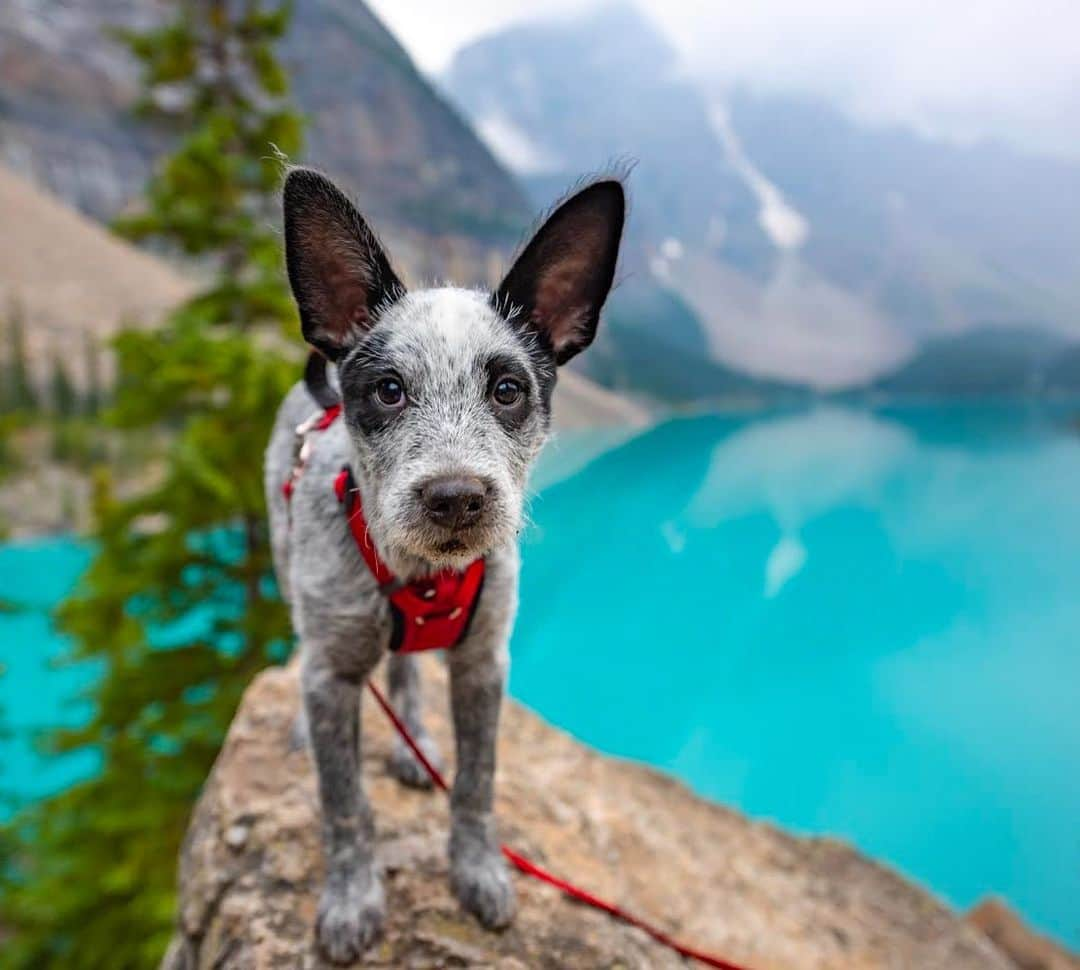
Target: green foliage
8,457
76,441
94,393
212,75
17,394
178,605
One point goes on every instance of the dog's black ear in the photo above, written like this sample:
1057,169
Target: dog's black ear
338,271
560,281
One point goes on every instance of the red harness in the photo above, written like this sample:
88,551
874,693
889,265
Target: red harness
431,613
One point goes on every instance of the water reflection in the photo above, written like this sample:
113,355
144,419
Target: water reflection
853,622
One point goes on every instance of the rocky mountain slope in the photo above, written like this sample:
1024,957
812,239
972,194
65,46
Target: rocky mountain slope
943,238
251,864
810,249
578,93
70,278
66,87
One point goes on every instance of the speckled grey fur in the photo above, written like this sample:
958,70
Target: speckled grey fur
439,342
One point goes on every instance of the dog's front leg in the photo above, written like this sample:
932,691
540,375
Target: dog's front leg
352,905
478,871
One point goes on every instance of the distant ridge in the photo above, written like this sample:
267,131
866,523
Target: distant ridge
69,277
989,362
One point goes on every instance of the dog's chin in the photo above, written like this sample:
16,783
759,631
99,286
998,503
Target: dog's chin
445,549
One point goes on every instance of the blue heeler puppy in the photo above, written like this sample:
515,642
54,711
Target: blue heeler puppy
447,399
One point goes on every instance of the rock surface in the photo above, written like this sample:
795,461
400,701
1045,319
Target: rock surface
251,864
1028,949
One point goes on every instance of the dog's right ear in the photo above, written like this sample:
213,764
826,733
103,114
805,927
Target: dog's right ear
559,283
339,274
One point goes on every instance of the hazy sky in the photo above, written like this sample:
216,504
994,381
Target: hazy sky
961,68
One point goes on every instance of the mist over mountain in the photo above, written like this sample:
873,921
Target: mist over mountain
807,248
577,98
946,238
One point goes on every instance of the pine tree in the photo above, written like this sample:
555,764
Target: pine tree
212,72
19,388
93,394
181,615
63,399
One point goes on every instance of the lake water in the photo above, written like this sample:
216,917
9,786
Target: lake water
865,624
35,692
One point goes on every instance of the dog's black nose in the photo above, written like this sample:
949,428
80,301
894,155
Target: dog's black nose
454,501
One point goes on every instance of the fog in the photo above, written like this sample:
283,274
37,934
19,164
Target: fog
960,69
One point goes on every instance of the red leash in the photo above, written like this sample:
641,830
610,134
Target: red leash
532,869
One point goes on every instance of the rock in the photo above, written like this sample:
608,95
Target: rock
1027,949
251,864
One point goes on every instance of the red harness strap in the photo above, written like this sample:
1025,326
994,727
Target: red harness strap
432,613
324,420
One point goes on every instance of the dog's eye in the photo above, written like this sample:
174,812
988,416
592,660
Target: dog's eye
390,392
507,391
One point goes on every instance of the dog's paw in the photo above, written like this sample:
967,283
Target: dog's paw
350,921
481,881
406,767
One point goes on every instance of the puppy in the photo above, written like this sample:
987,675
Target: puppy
446,398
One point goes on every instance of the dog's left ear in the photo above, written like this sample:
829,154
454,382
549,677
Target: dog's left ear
561,279
338,271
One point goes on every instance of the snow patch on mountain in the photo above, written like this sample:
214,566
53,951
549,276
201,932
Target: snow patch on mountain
780,221
514,148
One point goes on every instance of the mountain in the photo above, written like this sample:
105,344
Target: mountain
577,97
652,344
446,207
809,248
74,284
1063,372
66,88
71,279
575,94
944,238
1002,361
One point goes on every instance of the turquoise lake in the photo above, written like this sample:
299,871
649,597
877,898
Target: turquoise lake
858,623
